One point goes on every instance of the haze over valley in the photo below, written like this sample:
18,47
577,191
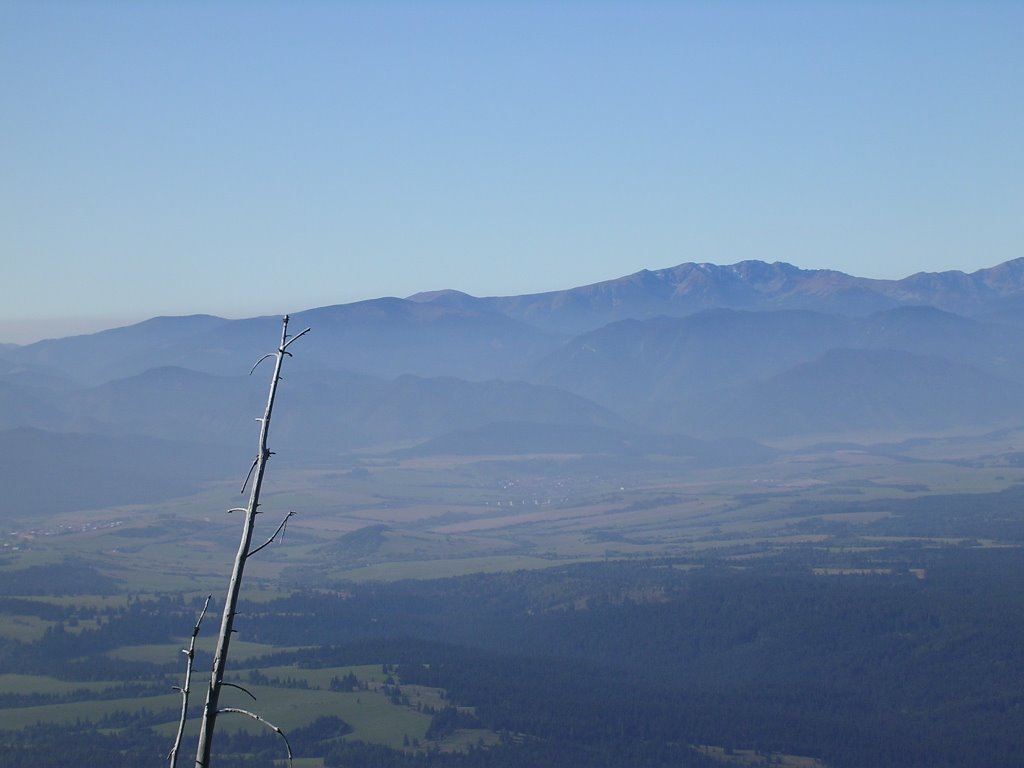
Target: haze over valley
749,351
482,481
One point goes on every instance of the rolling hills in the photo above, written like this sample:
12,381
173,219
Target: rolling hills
749,351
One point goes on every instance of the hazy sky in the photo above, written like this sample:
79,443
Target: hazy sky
241,158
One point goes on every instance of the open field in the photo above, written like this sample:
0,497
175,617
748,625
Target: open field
298,697
446,516
748,757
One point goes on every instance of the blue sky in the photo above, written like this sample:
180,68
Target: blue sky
242,158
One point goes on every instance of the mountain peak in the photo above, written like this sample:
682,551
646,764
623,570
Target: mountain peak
750,284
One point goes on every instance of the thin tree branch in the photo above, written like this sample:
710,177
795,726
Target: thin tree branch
246,481
269,354
280,529
296,337
246,691
266,722
190,652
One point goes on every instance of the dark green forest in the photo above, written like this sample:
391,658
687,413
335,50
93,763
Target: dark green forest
919,662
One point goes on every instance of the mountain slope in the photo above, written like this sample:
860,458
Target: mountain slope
318,413
383,337
747,285
394,370
625,365
637,367
850,391
447,333
118,352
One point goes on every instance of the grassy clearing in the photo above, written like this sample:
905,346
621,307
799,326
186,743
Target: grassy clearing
437,569
161,653
83,711
33,552
372,716
371,674
29,684
23,629
462,740
99,602
748,757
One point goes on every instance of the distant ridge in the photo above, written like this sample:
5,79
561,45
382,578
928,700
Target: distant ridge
676,372
749,285
744,351
381,337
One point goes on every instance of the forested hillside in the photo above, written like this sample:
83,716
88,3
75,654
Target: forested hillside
913,661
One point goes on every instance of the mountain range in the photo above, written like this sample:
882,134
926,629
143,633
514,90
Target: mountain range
697,353
753,286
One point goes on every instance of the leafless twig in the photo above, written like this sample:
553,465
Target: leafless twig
246,691
190,653
270,725
253,467
256,364
280,529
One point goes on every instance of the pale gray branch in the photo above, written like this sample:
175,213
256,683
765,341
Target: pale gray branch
268,542
294,338
269,354
190,653
266,722
256,472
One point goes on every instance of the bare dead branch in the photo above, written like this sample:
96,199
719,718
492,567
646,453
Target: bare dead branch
257,718
246,691
256,472
280,529
190,653
269,354
294,338
253,467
